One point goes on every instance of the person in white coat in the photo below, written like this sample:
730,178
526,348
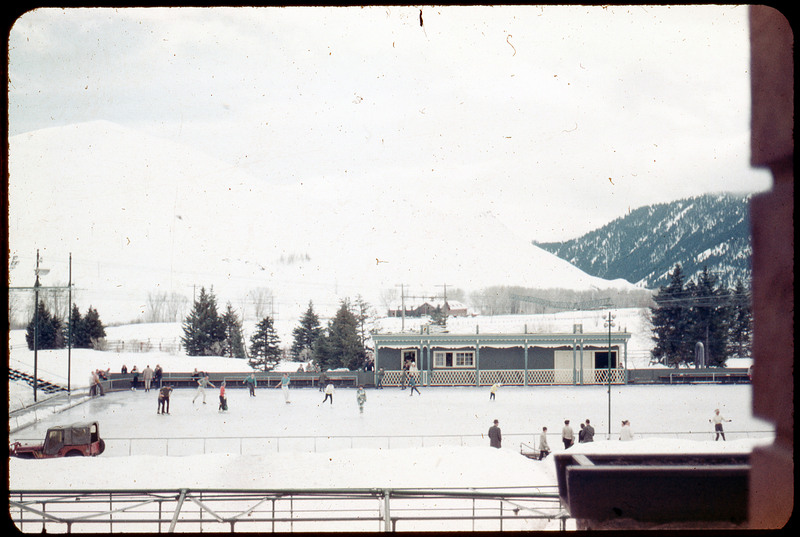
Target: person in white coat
328,393
625,432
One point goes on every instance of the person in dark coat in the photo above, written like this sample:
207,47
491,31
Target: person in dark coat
157,374
163,399
495,437
588,432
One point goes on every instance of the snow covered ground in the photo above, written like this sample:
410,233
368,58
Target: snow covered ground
435,439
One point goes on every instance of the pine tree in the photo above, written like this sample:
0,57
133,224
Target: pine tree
439,317
363,312
80,339
305,334
710,315
233,345
203,329
343,341
93,326
741,328
670,322
265,351
48,330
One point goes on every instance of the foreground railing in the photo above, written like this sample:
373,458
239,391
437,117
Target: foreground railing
287,510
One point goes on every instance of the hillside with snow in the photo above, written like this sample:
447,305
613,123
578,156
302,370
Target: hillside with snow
141,215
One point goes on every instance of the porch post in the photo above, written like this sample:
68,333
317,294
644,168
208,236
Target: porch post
525,380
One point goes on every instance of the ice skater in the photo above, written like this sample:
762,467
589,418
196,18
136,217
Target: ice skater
328,393
412,382
717,421
285,386
625,432
163,399
495,436
361,398
588,432
223,400
567,435
250,380
379,379
493,390
201,388
544,447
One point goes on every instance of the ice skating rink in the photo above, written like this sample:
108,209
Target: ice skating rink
461,413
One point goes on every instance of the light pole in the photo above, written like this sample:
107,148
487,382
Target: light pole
36,286
609,323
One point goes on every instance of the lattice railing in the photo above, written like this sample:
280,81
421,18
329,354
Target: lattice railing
453,377
601,377
541,377
509,377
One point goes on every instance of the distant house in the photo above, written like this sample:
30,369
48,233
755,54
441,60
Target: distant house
442,359
420,309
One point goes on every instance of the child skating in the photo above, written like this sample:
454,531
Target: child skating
361,397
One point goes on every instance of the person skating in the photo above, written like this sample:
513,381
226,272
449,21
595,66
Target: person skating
328,393
201,388
379,379
544,447
285,386
163,399
588,434
412,382
361,398
567,435
251,384
495,436
223,400
717,420
135,378
493,390
625,432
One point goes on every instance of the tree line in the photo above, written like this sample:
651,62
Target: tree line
340,344
702,316
49,331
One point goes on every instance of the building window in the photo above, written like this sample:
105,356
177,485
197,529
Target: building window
444,359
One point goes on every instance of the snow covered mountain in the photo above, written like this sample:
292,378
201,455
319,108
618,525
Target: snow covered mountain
142,215
643,246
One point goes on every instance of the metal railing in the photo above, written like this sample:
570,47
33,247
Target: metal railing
287,510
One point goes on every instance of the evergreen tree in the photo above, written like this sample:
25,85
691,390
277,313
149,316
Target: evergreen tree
48,330
265,351
363,312
80,339
710,315
343,343
439,317
233,345
203,328
670,322
305,334
93,326
741,329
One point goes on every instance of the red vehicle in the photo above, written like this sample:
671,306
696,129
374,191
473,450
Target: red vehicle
78,440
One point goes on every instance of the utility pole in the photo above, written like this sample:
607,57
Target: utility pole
69,329
403,307
609,323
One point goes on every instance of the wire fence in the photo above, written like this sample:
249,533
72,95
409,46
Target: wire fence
258,445
287,510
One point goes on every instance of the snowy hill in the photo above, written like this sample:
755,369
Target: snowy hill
643,246
140,215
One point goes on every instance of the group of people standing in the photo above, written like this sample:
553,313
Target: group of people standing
150,377
586,434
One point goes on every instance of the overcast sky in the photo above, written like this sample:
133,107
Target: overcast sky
559,119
